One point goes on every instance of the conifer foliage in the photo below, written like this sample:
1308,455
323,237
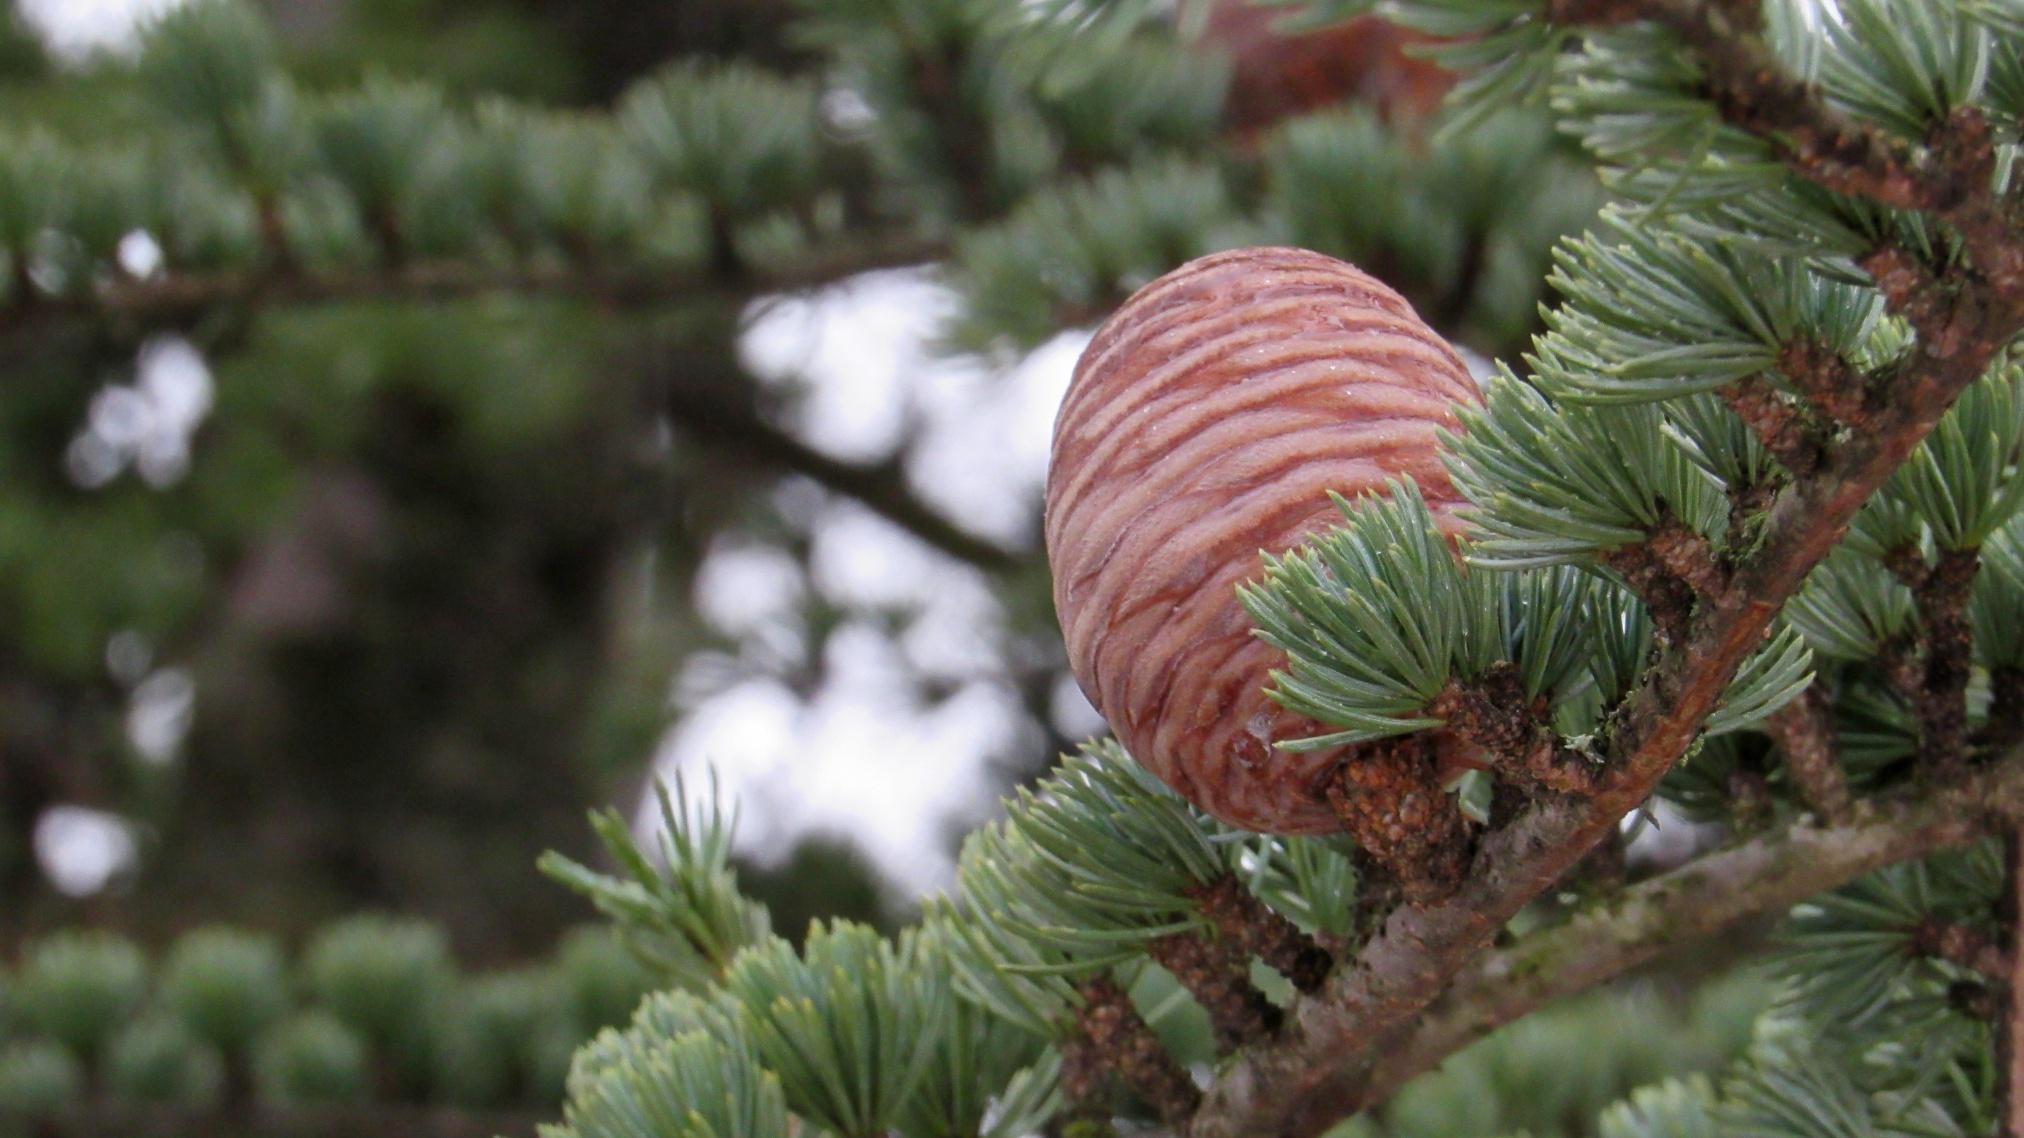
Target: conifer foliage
1730,519
1746,537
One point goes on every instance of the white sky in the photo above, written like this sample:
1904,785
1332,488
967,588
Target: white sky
78,27
863,756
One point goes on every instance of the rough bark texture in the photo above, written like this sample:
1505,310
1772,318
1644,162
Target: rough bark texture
1390,799
1118,1036
1804,733
1218,974
1712,893
1265,933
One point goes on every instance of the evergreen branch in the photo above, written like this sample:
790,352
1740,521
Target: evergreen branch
1776,423
1938,687
391,1120
1804,733
1216,972
1264,932
883,487
1753,92
1319,1068
180,299
1495,714
1118,1037
1706,896
1828,381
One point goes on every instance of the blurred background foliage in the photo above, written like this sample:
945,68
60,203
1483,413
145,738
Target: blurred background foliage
380,385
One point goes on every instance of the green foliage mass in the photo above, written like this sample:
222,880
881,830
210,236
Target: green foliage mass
372,1010
1055,156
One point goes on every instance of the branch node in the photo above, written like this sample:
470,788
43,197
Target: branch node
1829,384
1964,946
1937,685
1389,797
1780,427
1264,932
1804,733
1495,714
1217,973
1119,1038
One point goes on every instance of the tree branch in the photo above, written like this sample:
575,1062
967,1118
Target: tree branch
1318,1070
1952,177
181,298
391,1120
1264,932
1216,972
1964,946
1804,733
1120,1039
1766,875
714,421
1323,1064
1938,691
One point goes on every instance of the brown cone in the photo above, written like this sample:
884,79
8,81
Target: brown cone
1207,421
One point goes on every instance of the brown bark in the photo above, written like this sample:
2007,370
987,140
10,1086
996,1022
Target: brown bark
1937,686
1700,899
1963,946
1217,973
1264,932
1119,1036
1804,733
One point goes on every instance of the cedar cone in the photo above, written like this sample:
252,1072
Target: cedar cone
1206,421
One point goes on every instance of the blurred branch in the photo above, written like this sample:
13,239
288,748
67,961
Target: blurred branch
382,1120
715,421
179,299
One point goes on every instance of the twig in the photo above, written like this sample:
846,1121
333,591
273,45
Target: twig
1119,1036
1264,932
1494,714
1217,972
1753,92
1804,733
180,298
716,421
1938,685
1781,427
1320,1066
1390,800
392,1120
1829,384
1720,890
1669,600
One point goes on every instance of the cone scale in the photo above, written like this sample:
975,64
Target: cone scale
1206,422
